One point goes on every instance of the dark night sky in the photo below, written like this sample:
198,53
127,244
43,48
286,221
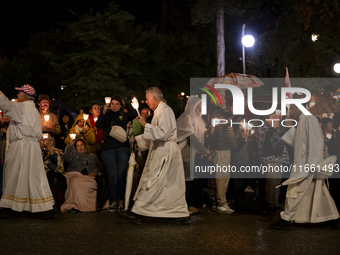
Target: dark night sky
18,21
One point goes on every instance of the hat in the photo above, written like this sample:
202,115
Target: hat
43,97
27,89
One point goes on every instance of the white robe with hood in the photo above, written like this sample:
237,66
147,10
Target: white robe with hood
161,189
188,124
309,199
26,186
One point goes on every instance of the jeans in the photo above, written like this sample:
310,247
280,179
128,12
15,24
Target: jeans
116,162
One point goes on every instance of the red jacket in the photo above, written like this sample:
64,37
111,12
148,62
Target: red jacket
99,132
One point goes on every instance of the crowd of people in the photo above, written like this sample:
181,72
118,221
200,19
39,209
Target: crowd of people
53,163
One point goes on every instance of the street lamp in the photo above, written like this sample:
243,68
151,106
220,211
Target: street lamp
337,67
247,41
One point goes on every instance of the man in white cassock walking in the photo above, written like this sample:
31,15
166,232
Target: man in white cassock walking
308,199
26,186
161,190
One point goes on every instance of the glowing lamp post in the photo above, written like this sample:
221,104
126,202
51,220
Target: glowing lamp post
247,41
135,104
337,68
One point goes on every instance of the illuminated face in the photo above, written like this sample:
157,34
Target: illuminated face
21,96
66,119
80,146
115,106
95,111
151,101
44,104
198,110
329,127
144,113
81,123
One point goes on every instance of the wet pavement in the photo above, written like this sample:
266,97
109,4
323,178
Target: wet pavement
208,233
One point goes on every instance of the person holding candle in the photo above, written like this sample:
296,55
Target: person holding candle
274,153
115,154
243,156
83,129
161,190
54,166
95,112
66,122
25,185
49,120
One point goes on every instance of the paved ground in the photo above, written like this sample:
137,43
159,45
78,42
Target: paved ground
209,233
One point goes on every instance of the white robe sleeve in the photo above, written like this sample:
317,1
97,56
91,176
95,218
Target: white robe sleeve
162,132
142,144
12,110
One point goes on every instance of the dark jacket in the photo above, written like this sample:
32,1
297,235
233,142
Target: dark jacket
105,122
223,137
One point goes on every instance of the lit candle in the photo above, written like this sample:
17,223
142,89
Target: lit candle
247,128
107,100
45,135
329,136
95,119
215,121
135,104
13,100
86,116
73,136
46,117
0,113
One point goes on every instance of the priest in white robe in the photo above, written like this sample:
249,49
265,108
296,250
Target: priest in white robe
308,199
26,186
161,190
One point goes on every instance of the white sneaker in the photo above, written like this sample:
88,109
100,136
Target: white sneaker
224,208
248,189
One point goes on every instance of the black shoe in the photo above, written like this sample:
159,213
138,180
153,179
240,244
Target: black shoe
281,225
130,216
183,220
275,209
49,214
74,210
7,213
335,224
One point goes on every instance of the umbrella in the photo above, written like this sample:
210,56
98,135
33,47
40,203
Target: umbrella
321,99
129,179
260,102
320,108
240,80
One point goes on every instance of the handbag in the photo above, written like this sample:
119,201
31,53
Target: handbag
118,133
